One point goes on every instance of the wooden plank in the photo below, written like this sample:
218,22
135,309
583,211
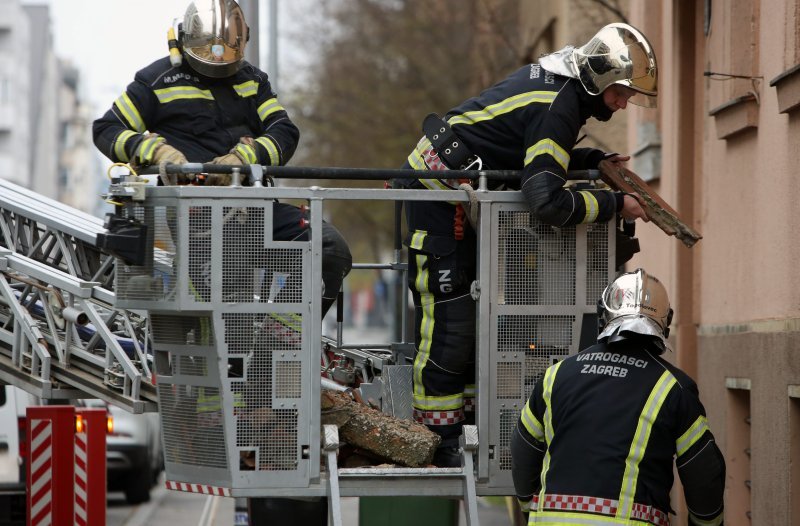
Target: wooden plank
657,210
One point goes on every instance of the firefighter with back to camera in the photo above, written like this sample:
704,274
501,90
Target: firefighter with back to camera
597,439
530,122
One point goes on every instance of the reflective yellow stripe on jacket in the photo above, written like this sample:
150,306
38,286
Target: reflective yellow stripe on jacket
166,95
547,392
504,106
647,418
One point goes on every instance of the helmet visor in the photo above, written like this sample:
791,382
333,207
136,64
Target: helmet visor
628,64
215,33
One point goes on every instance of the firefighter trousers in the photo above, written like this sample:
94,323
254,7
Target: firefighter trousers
445,318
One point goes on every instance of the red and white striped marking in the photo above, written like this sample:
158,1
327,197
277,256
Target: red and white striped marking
41,473
80,479
199,488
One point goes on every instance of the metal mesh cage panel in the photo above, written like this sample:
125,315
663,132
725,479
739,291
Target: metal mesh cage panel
267,433
189,366
251,272
182,330
156,279
542,339
596,261
191,437
509,380
287,376
508,419
536,262
271,435
199,253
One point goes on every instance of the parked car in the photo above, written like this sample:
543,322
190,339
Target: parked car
13,453
134,456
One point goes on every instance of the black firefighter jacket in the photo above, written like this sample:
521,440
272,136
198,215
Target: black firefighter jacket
200,116
606,424
530,122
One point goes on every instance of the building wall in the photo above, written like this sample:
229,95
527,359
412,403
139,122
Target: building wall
729,155
15,81
44,147
45,142
723,152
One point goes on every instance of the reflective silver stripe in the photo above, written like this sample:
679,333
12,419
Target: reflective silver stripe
247,152
268,108
438,403
272,150
532,423
561,518
182,92
503,107
147,147
547,147
247,89
417,239
426,326
592,207
415,158
692,435
128,109
119,145
640,439
547,391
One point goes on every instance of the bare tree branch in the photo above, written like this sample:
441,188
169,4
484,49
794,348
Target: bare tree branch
614,8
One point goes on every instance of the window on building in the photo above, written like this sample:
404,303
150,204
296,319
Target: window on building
733,48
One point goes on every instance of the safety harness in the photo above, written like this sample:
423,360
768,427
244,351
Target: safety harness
441,149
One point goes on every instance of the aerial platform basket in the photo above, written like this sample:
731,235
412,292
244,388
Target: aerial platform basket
236,334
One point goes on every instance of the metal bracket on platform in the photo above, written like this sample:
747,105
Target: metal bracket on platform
469,446
331,446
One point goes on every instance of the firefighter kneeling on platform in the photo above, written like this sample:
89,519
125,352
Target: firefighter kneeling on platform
593,443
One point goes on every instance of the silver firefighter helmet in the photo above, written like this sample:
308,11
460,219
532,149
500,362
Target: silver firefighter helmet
213,37
618,54
635,302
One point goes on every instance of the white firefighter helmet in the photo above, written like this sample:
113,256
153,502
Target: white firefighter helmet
213,37
618,54
635,302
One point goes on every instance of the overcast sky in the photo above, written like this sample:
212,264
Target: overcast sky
109,40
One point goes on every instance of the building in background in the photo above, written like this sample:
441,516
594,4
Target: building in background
45,132
723,148
15,86
78,159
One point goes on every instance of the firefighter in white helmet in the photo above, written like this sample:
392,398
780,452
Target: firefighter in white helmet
597,439
530,122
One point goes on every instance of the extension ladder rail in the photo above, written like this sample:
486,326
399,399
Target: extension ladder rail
60,335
